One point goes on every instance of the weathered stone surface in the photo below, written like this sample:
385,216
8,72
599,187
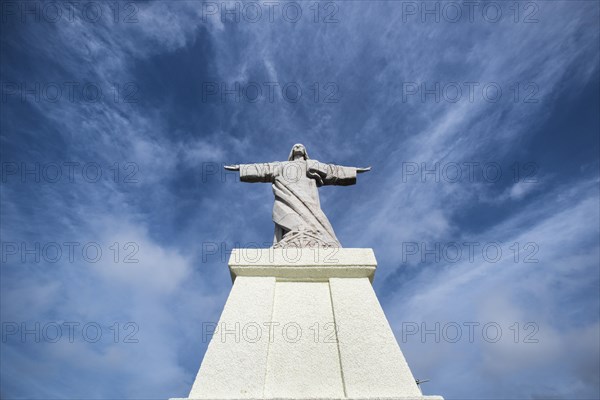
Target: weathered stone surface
303,264
234,367
303,361
308,327
299,220
371,359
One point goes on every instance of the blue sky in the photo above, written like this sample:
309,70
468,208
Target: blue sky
368,73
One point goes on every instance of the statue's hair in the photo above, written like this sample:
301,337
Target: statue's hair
291,156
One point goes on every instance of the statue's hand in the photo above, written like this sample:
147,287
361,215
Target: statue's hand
366,169
232,167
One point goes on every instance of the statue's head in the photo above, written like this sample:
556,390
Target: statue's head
298,149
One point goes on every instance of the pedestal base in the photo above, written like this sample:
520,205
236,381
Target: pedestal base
304,324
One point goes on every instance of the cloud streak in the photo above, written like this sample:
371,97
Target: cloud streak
172,145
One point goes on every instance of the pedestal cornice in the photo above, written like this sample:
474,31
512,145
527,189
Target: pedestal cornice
303,264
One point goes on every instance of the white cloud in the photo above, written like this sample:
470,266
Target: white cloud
509,292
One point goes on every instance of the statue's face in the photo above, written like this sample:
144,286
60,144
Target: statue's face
299,150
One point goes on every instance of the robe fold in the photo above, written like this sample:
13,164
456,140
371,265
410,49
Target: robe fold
297,208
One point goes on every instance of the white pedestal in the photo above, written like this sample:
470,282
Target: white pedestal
304,324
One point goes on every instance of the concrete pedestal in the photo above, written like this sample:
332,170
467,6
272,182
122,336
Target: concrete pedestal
304,324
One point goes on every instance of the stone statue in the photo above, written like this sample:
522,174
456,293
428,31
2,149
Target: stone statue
299,220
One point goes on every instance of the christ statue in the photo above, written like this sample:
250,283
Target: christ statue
299,220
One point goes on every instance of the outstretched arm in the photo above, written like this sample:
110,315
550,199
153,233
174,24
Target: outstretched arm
263,172
331,174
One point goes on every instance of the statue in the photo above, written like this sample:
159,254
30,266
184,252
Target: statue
299,220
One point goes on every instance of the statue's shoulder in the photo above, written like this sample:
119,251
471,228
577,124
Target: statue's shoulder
315,164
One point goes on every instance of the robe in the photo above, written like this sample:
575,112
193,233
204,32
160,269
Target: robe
297,209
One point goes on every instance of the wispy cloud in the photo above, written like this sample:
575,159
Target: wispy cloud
167,136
